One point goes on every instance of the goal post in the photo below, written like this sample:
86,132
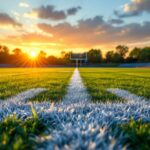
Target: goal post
79,58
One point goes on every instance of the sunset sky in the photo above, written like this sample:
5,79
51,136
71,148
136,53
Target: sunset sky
74,25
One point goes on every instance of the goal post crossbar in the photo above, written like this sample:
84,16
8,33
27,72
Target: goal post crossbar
78,57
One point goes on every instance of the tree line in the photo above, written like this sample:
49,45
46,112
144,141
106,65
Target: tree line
120,55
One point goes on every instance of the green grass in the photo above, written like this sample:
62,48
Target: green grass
97,80
20,135
137,135
14,81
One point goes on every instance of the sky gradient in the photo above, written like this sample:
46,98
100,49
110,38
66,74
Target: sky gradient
74,25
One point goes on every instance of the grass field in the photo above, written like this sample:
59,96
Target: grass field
16,133
135,80
14,81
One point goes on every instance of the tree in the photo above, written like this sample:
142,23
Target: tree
41,58
53,60
95,56
4,55
5,50
65,57
144,55
18,57
135,53
122,50
117,58
17,51
42,53
109,56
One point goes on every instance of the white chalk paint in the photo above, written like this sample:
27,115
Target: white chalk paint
23,96
124,94
76,90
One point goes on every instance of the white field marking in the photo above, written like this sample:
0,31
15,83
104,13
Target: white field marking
76,90
23,96
124,94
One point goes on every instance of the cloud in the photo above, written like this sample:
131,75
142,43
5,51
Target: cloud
6,20
87,33
31,37
49,12
96,31
73,11
116,21
24,4
135,8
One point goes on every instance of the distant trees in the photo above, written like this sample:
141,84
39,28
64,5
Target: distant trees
65,57
95,56
140,54
122,50
18,57
109,56
42,58
117,56
135,55
53,60
4,54
144,55
121,55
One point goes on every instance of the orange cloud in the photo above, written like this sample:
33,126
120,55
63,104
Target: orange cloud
6,20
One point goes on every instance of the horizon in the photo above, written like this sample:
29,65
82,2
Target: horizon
77,25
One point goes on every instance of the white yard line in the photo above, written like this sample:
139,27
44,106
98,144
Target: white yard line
76,91
23,96
124,94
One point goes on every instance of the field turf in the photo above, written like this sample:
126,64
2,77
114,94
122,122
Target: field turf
97,80
55,80
25,134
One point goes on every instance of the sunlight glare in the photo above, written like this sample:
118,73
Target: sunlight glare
33,54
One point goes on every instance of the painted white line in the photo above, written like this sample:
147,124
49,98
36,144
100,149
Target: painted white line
23,96
124,94
76,91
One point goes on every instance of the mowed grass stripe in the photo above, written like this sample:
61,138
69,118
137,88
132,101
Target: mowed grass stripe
55,80
98,80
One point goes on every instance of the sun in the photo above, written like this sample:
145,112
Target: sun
33,54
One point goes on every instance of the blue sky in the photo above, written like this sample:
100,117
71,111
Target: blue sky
90,8
91,24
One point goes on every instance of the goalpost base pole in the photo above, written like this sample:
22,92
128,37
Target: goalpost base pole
76,63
